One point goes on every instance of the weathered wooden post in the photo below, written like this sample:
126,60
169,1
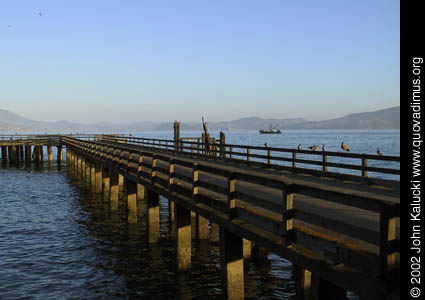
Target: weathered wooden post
152,199
388,234
49,153
59,154
183,237
21,152
171,174
121,183
93,176
222,144
176,127
28,152
13,153
88,173
294,159
309,286
4,153
98,178
41,153
325,162
113,189
141,190
231,262
105,183
364,166
131,191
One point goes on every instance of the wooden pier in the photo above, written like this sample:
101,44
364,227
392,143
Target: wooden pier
340,230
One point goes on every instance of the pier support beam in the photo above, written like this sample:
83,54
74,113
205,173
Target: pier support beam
309,286
79,165
60,154
4,153
131,191
13,154
105,183
28,152
93,176
113,190
231,261
202,229
183,237
152,200
140,192
49,153
21,152
98,178
246,248
121,183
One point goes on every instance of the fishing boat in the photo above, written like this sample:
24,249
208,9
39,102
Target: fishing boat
270,130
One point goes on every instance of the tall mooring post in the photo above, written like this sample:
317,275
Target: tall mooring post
222,144
176,127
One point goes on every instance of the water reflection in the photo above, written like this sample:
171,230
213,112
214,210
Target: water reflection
72,246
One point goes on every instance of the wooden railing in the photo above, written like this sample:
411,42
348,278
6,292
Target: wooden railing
233,193
317,163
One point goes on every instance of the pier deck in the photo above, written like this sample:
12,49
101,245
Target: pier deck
339,234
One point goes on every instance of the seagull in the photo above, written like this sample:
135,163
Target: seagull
378,151
324,148
314,147
344,147
299,146
265,145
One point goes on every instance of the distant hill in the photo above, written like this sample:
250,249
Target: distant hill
380,119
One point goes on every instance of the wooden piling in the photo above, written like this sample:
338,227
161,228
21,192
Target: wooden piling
202,229
105,183
309,286
59,154
183,237
28,152
113,190
93,176
21,153
152,200
131,191
4,154
49,153
231,261
98,178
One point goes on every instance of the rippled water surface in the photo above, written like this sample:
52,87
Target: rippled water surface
58,240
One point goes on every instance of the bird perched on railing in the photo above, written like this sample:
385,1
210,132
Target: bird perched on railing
314,147
324,148
345,147
378,152
299,146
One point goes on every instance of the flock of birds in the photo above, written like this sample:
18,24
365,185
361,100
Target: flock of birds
344,147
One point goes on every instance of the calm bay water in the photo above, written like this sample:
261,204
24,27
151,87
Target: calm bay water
59,241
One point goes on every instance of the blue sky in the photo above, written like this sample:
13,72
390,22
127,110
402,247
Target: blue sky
90,61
